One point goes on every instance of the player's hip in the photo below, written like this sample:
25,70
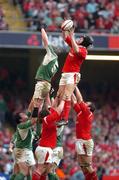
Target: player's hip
84,147
70,78
24,155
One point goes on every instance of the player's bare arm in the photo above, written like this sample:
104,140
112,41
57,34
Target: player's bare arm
65,34
73,41
78,95
44,37
73,99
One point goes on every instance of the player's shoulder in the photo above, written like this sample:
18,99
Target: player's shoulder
83,50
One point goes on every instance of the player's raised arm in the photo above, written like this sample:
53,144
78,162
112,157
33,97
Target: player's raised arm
73,99
78,95
44,37
73,41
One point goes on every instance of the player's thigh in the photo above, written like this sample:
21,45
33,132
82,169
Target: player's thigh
60,91
40,169
85,162
24,168
69,88
84,159
44,155
16,168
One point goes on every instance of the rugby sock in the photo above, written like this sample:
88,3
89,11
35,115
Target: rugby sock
19,176
91,176
43,177
12,177
52,176
36,176
29,177
66,110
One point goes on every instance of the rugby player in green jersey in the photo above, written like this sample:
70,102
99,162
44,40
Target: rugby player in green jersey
44,74
22,148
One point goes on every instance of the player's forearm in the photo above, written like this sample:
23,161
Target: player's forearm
65,34
78,95
73,99
44,38
74,44
11,146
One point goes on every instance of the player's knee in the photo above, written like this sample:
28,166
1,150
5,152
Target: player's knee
86,167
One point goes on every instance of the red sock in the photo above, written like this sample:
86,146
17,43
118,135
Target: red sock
43,177
91,176
66,110
36,176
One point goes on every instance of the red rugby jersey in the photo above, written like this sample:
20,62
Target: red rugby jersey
74,60
49,133
83,121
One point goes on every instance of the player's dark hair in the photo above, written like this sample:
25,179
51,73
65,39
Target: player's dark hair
87,41
92,106
17,118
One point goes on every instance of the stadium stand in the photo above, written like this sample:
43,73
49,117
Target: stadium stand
94,16
12,16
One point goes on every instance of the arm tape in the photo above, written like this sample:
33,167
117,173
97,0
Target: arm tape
35,112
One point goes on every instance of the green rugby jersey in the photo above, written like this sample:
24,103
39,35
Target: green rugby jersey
60,136
24,135
49,66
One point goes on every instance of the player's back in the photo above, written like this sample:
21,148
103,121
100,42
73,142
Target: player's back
74,60
84,125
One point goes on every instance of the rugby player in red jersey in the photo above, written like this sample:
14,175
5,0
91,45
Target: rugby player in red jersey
48,141
84,142
71,69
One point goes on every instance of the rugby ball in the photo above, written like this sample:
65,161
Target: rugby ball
67,25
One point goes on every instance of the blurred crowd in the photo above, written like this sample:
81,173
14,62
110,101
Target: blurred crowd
3,24
105,127
94,16
89,16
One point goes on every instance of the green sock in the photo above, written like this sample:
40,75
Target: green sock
19,176
12,177
29,177
52,176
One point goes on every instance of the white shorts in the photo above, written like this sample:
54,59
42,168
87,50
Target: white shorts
57,155
44,155
84,147
70,78
42,88
24,155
